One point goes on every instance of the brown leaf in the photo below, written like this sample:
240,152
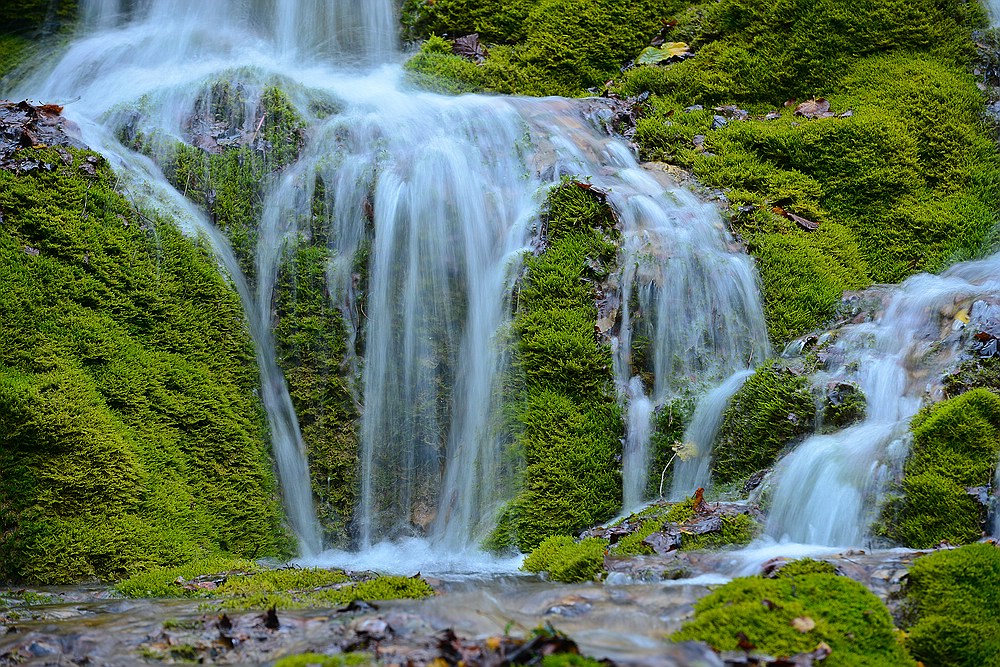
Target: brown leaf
814,108
744,642
805,224
470,48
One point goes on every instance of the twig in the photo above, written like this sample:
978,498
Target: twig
663,475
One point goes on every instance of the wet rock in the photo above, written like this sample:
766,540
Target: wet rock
718,122
25,125
570,607
664,541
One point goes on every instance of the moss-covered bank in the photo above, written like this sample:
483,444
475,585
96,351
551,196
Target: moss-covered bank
568,421
130,435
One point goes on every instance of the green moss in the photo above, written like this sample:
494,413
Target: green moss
737,530
566,560
311,345
14,50
37,15
239,584
130,435
949,596
956,444
561,394
320,660
670,421
773,408
167,582
847,617
974,373
804,566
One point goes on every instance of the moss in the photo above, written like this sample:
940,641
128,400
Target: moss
320,660
131,436
805,566
846,616
566,560
670,421
973,373
949,595
238,584
772,409
561,394
956,444
843,406
737,530
37,15
632,544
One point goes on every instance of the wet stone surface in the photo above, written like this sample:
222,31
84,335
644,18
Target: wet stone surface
25,125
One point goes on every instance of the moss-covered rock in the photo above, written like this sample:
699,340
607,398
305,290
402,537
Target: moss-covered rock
772,409
794,614
950,597
130,435
30,16
956,445
569,425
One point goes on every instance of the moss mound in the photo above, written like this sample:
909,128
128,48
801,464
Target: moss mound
773,408
241,584
793,615
130,435
956,445
568,421
952,596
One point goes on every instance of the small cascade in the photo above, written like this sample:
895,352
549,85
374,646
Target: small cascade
826,491
690,298
695,472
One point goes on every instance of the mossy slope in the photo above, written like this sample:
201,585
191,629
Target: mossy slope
952,597
129,432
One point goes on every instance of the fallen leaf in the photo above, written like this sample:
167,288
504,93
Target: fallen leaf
744,642
654,55
470,48
814,108
803,624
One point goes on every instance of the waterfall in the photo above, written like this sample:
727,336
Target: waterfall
447,192
826,491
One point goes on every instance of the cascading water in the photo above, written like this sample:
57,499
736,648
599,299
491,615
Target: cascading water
446,191
826,491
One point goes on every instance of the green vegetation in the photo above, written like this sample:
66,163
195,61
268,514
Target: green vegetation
537,47
806,566
793,614
956,445
240,584
773,408
566,560
564,403
130,435
973,373
950,597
